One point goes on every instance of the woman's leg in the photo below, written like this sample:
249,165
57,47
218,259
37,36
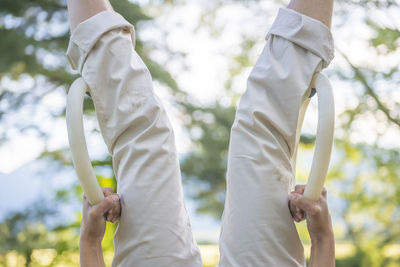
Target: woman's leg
257,228
154,228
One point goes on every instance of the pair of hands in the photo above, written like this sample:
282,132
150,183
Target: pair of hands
319,223
93,225
316,213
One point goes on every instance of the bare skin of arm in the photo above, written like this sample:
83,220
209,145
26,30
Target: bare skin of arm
317,9
93,227
81,10
319,226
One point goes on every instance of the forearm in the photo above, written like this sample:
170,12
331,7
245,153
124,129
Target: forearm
323,252
317,9
91,254
80,10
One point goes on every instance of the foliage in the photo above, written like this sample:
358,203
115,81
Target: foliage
24,231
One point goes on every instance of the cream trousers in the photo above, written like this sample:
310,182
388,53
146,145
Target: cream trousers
154,230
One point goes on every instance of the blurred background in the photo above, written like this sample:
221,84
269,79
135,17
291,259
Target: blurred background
200,54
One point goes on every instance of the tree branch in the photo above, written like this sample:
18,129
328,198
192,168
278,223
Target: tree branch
370,91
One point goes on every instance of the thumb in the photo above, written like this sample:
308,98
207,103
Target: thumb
309,206
105,205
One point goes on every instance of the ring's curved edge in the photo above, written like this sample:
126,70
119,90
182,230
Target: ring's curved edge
324,137
76,137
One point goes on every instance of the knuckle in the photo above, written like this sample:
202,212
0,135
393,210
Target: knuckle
315,210
107,191
311,212
109,200
299,187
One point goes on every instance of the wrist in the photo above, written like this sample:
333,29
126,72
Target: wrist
90,236
323,238
87,240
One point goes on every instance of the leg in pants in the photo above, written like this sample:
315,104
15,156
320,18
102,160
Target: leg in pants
257,229
154,229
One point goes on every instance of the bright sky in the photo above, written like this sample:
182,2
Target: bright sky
203,74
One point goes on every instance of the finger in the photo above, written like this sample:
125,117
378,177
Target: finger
117,208
309,206
300,214
300,188
107,191
115,212
104,206
297,214
324,192
292,209
111,214
109,217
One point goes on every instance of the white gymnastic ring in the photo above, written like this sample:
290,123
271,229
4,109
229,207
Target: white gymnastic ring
324,137
77,142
